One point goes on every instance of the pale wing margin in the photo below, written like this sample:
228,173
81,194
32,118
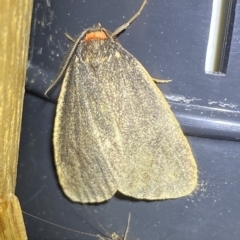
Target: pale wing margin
87,142
160,163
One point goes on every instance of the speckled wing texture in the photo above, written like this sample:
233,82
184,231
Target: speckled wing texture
114,131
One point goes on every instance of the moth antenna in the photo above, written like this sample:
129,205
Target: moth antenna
60,226
125,25
66,62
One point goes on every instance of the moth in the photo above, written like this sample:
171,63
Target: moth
114,130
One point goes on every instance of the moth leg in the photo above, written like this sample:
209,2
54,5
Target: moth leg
161,80
102,238
127,228
69,37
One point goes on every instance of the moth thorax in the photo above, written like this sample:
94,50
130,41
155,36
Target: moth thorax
95,51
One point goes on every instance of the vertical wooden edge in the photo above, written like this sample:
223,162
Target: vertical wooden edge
15,23
11,220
